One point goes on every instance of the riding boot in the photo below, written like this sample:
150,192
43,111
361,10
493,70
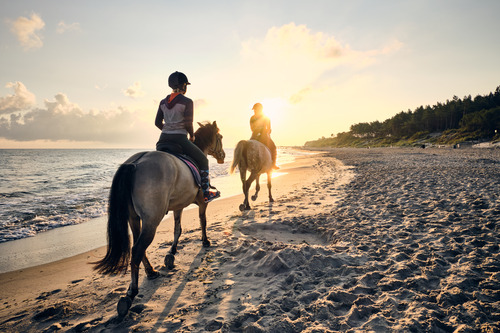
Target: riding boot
205,187
273,157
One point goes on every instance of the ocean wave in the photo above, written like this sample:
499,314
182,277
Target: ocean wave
67,190
17,194
90,166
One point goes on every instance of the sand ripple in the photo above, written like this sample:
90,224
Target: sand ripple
402,240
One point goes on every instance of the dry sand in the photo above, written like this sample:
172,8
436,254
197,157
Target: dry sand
403,240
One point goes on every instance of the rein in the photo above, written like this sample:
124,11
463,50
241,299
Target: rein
216,150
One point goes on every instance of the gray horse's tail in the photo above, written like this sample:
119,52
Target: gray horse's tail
117,255
240,155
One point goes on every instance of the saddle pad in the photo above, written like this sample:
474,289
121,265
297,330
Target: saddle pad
191,166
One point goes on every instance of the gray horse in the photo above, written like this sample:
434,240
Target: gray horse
254,156
146,187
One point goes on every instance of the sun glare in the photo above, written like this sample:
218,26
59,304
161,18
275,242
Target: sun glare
274,108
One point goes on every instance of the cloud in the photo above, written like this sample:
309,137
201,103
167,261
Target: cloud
22,99
62,106
290,42
298,97
63,120
134,90
62,27
101,87
292,57
27,31
294,51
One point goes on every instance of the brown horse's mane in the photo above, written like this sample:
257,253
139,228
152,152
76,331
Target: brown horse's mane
205,135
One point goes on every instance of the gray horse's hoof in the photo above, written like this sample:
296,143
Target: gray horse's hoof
254,197
206,243
123,306
169,261
242,207
153,275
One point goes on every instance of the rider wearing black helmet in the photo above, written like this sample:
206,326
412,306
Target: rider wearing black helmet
175,120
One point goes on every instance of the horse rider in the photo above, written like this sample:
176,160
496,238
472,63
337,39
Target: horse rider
261,130
175,120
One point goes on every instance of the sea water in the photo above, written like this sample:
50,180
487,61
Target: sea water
43,189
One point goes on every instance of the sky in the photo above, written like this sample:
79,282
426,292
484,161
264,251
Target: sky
90,74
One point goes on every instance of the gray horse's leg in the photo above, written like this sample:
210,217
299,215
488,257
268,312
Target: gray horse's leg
203,223
138,252
269,176
170,257
257,188
177,230
135,226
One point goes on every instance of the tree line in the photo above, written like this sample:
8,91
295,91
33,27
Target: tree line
456,120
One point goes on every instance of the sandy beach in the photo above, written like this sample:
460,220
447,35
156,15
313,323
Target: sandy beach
358,240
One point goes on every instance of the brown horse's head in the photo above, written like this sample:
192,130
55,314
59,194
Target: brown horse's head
209,140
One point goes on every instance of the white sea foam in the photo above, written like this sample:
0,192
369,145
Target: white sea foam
46,189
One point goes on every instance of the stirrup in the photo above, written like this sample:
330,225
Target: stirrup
210,195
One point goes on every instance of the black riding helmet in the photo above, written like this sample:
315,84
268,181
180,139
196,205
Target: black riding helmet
178,80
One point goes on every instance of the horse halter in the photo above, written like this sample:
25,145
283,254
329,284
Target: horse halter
216,150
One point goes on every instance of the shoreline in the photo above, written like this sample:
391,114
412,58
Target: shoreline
69,240
72,240
75,264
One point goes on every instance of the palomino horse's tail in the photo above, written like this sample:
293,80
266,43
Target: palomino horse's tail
118,254
240,155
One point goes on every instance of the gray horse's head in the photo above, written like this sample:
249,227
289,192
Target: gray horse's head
209,140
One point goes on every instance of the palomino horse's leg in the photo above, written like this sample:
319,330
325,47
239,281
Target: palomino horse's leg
169,258
248,183
203,223
243,176
269,176
257,188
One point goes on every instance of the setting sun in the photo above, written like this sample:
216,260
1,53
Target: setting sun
274,109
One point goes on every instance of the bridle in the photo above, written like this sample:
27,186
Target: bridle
216,150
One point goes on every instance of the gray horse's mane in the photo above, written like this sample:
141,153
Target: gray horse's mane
204,135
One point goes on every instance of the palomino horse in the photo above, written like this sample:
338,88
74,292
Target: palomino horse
146,187
256,157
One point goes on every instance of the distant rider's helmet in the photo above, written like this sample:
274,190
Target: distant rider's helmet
257,107
178,80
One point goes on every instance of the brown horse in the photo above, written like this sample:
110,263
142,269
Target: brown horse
253,156
145,188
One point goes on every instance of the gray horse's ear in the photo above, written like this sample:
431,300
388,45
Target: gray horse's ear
215,123
200,124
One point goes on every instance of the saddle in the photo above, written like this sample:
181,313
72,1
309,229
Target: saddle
176,150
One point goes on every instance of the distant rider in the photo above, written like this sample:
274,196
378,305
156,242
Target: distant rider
261,130
175,120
